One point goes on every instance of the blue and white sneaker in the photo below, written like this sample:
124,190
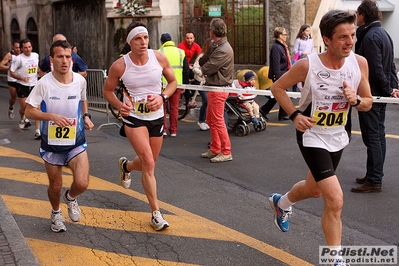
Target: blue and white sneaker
281,217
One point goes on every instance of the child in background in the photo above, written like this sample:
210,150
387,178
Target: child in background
247,100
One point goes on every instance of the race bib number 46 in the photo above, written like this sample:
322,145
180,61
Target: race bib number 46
62,136
140,105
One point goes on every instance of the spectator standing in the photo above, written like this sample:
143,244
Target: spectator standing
142,110
178,62
61,112
375,44
322,140
280,63
190,48
24,70
199,79
303,47
5,64
303,43
218,66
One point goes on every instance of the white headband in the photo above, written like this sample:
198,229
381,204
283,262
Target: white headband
134,32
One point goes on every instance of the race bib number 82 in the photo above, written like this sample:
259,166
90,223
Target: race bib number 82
62,136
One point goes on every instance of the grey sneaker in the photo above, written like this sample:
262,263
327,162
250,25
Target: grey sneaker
158,222
22,124
208,154
73,208
11,113
124,177
222,158
57,222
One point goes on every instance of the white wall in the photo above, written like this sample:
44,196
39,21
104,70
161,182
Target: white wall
390,20
171,20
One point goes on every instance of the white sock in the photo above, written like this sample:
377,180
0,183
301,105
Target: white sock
38,131
56,211
284,203
69,197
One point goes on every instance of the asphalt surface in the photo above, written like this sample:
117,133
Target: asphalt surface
219,213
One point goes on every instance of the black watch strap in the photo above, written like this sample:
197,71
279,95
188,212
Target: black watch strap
164,97
87,114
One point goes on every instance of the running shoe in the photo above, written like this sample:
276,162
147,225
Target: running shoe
57,222
340,262
73,208
38,136
220,158
124,177
208,154
158,222
203,126
22,124
281,217
11,113
27,123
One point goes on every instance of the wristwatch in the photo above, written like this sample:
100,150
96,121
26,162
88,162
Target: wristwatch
359,99
164,97
86,114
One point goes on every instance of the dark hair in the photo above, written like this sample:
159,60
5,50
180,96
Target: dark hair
369,10
133,25
23,41
206,45
301,30
218,27
63,44
332,19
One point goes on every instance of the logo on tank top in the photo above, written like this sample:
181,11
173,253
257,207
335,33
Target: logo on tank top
323,74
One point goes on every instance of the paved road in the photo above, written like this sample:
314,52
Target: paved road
218,213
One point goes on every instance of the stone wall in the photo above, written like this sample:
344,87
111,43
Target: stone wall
289,14
311,10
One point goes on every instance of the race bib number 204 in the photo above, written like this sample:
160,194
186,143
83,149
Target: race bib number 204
331,114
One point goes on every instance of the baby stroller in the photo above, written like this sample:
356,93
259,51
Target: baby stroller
238,116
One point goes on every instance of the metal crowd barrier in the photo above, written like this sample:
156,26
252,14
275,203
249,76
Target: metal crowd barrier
95,84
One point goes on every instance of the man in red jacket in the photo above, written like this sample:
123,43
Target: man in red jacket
190,47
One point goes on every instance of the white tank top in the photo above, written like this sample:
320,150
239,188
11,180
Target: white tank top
323,90
142,81
9,78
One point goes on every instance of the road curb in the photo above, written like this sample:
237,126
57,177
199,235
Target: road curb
14,247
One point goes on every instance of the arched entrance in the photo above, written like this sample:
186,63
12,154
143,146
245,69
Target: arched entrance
32,34
15,31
